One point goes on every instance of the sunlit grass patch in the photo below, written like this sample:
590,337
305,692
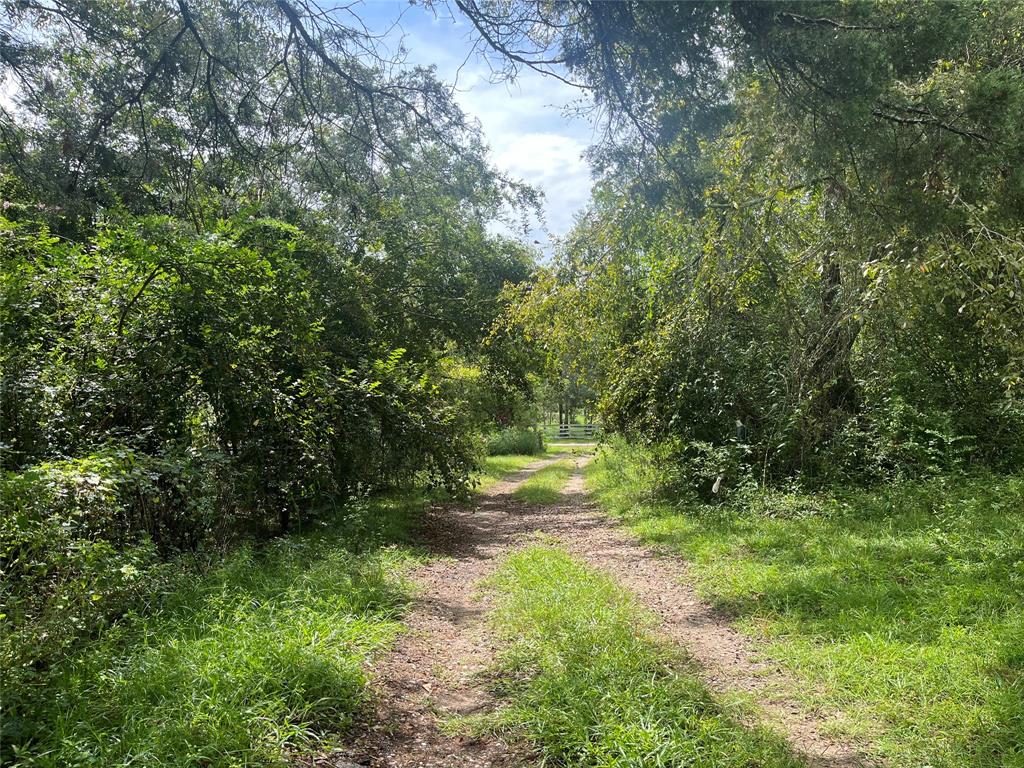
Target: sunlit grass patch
545,486
901,606
556,449
497,467
583,680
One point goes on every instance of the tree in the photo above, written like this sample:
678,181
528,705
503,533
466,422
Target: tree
792,194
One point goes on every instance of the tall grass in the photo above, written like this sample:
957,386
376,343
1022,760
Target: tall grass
902,605
583,679
261,657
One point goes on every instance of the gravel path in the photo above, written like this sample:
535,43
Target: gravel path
434,670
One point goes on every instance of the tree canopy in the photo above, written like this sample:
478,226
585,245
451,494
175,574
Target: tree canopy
806,244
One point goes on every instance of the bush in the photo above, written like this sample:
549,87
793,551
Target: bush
221,346
527,442
78,544
698,468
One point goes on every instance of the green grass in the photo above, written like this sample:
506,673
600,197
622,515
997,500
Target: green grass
901,606
242,665
556,449
545,485
496,467
583,680
263,656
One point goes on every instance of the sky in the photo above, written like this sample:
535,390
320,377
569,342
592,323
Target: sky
523,122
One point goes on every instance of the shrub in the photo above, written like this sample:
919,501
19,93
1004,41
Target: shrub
527,441
701,469
78,547
222,345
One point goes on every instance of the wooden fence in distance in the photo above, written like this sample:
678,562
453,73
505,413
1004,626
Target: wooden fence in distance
571,431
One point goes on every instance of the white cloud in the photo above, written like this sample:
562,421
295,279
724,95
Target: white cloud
523,121
8,91
552,162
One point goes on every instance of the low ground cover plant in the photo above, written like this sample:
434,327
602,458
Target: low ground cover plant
545,485
582,678
239,662
899,605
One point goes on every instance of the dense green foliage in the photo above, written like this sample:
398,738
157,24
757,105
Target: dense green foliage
584,680
806,254
515,440
251,352
901,606
249,278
